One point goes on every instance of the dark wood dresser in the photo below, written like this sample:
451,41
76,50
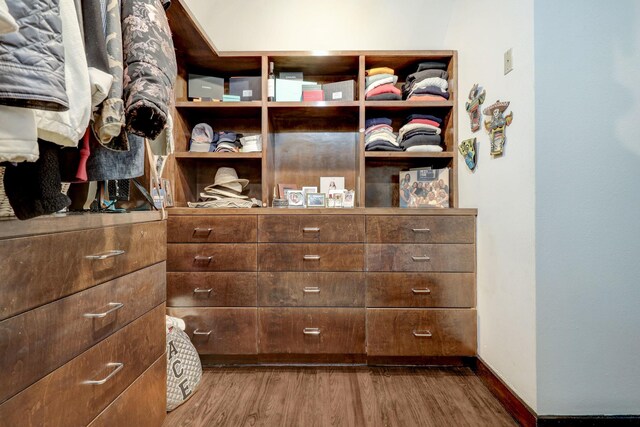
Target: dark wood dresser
324,285
82,330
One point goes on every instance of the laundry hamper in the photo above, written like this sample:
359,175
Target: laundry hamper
184,369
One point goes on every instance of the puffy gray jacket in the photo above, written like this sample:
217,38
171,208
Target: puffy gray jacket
32,59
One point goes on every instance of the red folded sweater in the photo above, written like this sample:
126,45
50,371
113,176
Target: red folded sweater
388,88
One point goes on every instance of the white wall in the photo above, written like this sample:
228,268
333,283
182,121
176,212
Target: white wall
502,188
588,206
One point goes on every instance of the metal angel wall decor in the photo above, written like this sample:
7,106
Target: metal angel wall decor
476,98
497,126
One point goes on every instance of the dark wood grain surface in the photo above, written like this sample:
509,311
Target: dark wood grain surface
289,330
40,269
220,330
211,257
143,404
420,229
340,396
205,289
294,289
62,398
311,228
38,341
421,290
319,257
212,229
412,257
421,332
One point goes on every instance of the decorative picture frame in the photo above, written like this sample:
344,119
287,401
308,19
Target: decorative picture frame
331,183
295,198
349,199
337,196
316,200
283,187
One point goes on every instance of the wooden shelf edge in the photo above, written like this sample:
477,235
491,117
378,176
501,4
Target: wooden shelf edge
323,211
408,104
313,104
407,155
197,155
214,104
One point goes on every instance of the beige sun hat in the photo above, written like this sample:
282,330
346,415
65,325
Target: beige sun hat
228,178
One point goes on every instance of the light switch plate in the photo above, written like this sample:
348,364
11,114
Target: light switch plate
508,61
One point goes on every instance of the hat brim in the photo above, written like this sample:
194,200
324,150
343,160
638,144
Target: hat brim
243,182
225,192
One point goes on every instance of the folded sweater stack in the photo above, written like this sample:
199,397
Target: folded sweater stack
428,83
380,85
421,132
379,136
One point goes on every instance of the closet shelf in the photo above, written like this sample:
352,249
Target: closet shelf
407,105
196,155
218,105
407,155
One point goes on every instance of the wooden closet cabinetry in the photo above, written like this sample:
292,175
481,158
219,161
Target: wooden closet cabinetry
82,309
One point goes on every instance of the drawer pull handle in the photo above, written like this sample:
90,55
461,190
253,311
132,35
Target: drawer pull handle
422,334
202,291
421,291
199,332
420,230
118,366
115,306
199,258
311,290
311,230
421,258
201,231
311,331
108,254
311,257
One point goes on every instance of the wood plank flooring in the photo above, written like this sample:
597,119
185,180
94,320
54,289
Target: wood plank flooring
340,396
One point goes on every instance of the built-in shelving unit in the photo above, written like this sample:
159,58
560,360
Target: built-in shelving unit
303,141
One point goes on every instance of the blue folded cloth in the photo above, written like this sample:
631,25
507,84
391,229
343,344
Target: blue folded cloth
377,121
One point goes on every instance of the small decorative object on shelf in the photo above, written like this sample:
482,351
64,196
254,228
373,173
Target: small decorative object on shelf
280,203
282,188
349,199
424,188
497,126
476,99
315,200
295,198
468,150
337,196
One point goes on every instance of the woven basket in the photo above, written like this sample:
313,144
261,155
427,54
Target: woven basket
5,207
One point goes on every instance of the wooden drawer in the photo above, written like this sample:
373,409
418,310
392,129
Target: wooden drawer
311,228
43,339
211,289
420,290
421,332
421,229
64,398
211,257
455,258
41,269
212,229
143,404
220,330
310,257
312,330
311,289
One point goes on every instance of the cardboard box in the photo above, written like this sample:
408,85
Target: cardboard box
312,95
247,88
340,91
290,90
291,75
205,87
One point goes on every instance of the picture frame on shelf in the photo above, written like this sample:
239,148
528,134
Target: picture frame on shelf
282,189
338,197
349,199
295,198
331,183
316,200
306,190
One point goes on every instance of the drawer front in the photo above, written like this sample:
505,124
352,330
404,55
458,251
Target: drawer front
312,330
421,332
211,289
220,330
115,362
212,229
43,339
311,289
420,290
454,258
143,404
421,229
311,228
310,257
57,265
211,257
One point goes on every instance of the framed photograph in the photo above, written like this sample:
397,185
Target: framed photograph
349,199
306,190
331,183
337,196
295,198
315,200
283,187
424,188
